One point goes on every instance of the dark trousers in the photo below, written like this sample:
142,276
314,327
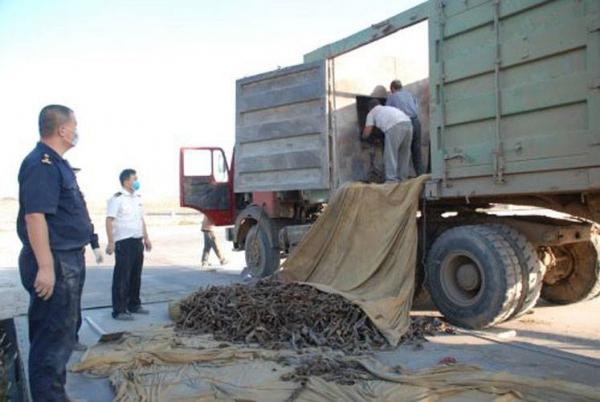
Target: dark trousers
127,276
79,320
52,323
415,146
210,242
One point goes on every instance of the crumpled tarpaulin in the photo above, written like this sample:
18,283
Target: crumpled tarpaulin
364,247
159,365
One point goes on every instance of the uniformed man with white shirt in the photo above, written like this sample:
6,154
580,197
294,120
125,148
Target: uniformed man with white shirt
397,128
127,238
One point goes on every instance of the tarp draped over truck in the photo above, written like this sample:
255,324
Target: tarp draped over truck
364,247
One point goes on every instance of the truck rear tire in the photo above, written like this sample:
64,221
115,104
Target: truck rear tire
583,281
532,268
474,276
262,259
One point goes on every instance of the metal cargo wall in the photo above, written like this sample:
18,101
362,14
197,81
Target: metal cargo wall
515,97
282,130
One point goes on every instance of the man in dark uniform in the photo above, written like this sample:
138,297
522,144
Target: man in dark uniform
54,227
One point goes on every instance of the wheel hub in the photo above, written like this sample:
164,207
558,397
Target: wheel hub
462,279
467,277
560,264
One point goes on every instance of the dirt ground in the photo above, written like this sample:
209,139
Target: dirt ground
554,341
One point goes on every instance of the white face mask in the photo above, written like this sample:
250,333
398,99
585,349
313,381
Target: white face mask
75,139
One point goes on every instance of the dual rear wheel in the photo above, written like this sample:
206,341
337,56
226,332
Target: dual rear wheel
575,276
481,275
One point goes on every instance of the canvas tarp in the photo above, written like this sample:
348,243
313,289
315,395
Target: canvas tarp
364,247
160,365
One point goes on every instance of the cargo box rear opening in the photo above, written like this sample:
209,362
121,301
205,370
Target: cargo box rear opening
365,73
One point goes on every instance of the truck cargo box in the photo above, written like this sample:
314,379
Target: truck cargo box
297,128
514,107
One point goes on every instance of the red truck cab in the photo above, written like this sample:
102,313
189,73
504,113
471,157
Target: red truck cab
206,183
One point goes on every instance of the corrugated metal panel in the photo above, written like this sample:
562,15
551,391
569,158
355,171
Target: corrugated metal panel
281,130
515,90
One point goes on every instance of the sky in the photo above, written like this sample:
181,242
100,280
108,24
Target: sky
147,77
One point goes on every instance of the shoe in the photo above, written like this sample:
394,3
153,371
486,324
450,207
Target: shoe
79,347
123,317
206,264
139,310
224,261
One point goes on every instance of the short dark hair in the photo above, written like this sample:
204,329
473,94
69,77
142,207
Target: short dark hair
126,174
396,84
374,102
51,117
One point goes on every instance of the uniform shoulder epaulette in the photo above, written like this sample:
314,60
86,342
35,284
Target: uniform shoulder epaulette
46,159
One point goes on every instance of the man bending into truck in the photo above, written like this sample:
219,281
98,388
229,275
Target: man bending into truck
397,129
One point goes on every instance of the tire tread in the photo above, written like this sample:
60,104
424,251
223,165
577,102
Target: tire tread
533,269
493,240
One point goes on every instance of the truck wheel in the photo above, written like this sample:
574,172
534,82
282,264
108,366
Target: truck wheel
532,268
574,275
474,276
261,258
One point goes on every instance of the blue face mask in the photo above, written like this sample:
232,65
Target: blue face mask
136,185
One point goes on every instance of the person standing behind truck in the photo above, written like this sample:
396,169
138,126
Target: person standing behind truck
54,227
127,238
397,129
210,242
406,102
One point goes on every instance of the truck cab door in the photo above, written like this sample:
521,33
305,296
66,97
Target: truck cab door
206,183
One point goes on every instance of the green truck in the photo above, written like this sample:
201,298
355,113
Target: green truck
509,96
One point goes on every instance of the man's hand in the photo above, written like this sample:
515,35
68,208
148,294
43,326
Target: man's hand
110,247
147,244
98,255
37,231
44,282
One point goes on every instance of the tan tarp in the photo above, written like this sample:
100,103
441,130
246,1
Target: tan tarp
364,247
158,365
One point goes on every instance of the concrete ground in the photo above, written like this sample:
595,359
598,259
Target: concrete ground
171,269
554,341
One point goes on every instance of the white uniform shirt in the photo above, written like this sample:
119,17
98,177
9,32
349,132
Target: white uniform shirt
128,214
385,117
